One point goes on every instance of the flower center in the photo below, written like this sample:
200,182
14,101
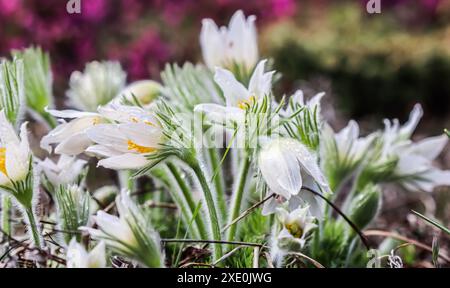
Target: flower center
295,230
3,160
96,121
138,148
244,104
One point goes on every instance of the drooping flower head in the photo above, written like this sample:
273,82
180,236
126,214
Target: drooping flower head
286,166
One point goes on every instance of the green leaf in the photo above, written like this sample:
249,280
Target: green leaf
12,89
432,222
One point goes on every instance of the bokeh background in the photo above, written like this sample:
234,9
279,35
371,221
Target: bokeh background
371,65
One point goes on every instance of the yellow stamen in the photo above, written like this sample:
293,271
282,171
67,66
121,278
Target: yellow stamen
136,120
3,161
244,104
141,149
96,121
295,230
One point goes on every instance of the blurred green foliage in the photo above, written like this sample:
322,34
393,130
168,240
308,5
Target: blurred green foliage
375,65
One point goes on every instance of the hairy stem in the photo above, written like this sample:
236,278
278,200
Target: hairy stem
218,179
212,210
34,228
6,210
237,196
187,195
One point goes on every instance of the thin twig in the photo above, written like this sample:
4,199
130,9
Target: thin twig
211,242
354,227
405,239
256,251
313,261
228,254
187,265
246,212
152,204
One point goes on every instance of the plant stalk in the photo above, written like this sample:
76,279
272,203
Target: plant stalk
188,199
34,228
6,210
236,199
212,210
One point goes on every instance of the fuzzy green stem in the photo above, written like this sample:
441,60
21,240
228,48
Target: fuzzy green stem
34,228
218,180
189,200
6,210
237,196
212,210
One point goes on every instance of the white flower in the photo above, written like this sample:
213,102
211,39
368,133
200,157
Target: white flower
78,257
296,226
414,161
125,145
65,171
15,153
341,152
225,47
415,165
395,136
145,92
286,166
70,137
99,83
238,97
349,145
130,234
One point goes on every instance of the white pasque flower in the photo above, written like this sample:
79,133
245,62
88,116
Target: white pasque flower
395,136
15,153
126,144
341,152
235,45
78,257
65,171
99,83
238,97
296,226
286,166
130,234
414,167
70,137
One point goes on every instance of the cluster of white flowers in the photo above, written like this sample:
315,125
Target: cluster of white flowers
290,160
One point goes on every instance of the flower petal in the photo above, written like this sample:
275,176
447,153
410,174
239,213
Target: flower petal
124,161
233,90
